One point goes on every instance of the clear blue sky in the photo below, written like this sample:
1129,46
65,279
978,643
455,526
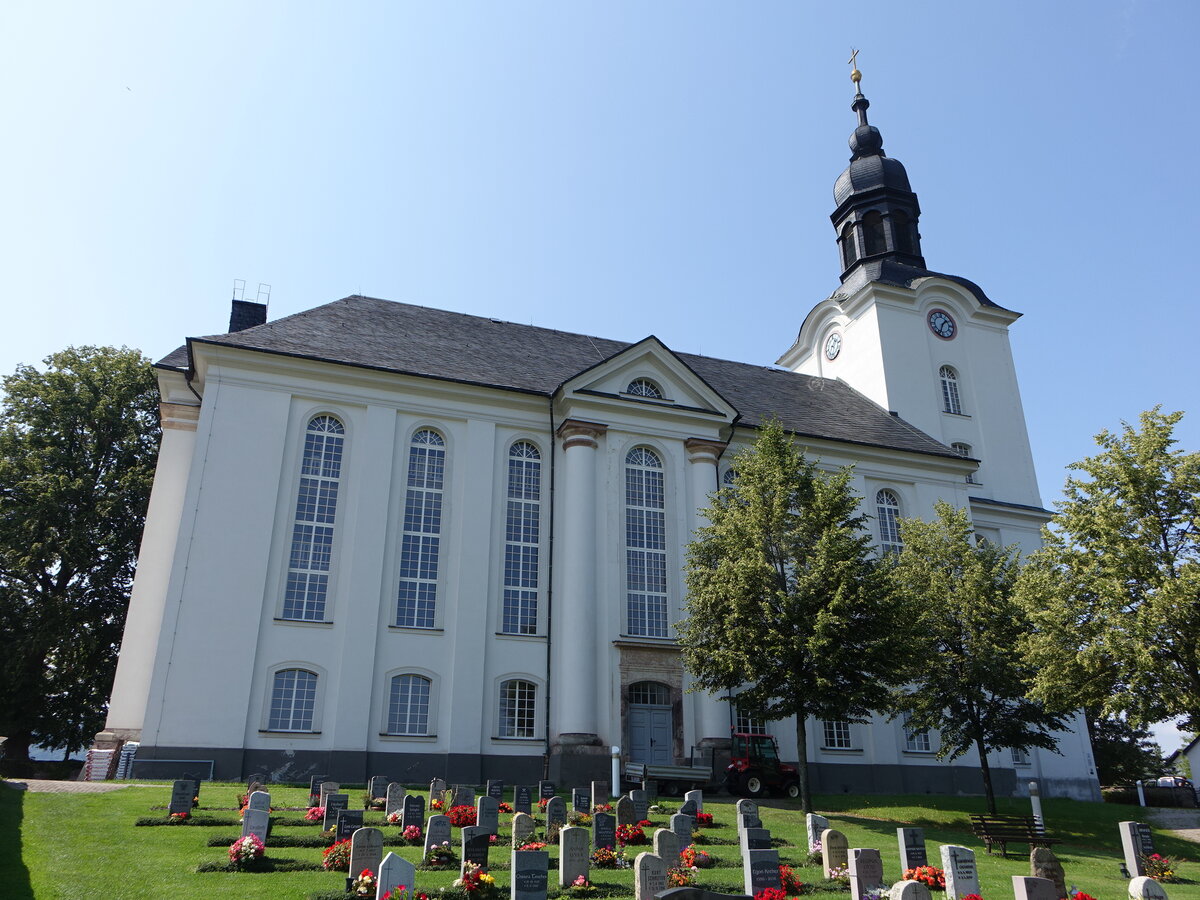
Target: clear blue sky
616,168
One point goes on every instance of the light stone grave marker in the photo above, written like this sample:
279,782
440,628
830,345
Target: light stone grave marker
666,846
1028,888
815,825
649,876
327,788
334,803
574,854
395,871
348,822
604,831
581,800
523,799
600,793
530,878
696,797
626,815
437,787
835,850
756,839
962,877
523,828
259,800
641,804
464,795
760,870
394,801
378,788
912,848
909,890
683,827
556,811
437,831
1137,842
866,871
475,844
256,822
181,797
487,814
366,851
1146,888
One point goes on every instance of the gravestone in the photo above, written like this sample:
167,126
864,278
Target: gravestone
529,879
600,793
962,877
574,855
464,795
604,830
641,804
688,808
815,825
256,822
866,871
437,787
1044,864
1137,843
327,788
181,797
756,839
259,800
649,876
1028,888
696,797
348,822
626,813
545,790
912,848
745,807
437,831
395,799
556,811
682,826
760,870
395,871
257,778
413,810
835,850
366,851
581,800
523,798
744,822
314,789
495,789
253,786
909,890
666,846
377,787
195,780
475,844
334,803
1146,888
523,828
487,814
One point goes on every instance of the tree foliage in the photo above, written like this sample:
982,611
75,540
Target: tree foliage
786,604
78,442
1115,591
971,681
1124,753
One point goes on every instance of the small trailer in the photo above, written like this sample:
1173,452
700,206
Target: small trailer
673,780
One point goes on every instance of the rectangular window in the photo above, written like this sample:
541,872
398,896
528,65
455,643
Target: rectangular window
917,742
408,705
837,735
747,724
1020,757
293,699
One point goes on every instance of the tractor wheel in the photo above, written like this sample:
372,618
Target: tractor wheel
791,790
752,785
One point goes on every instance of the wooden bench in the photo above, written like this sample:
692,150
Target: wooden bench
1004,830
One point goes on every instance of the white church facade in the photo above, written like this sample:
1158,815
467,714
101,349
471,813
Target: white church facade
387,538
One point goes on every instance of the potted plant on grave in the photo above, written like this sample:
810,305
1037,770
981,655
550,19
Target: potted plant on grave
245,852
337,857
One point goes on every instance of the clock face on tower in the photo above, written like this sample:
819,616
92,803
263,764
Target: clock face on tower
941,324
833,346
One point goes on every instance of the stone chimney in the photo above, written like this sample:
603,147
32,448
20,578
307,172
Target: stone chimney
246,314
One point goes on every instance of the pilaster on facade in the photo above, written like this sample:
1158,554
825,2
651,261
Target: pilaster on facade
577,433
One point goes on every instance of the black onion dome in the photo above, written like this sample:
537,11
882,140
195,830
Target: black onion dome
868,173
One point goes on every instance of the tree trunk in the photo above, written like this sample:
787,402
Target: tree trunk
16,748
987,777
806,804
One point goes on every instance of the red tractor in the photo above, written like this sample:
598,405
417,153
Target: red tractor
754,768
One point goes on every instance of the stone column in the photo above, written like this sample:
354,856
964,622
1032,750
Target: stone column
711,712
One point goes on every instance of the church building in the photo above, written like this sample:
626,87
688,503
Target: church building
391,539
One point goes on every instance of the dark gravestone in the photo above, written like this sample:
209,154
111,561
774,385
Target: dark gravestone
756,839
464,795
530,878
437,787
912,848
195,780
744,822
314,788
523,798
760,870
626,814
334,803
545,790
348,822
688,808
475,844
600,793
641,804
581,800
683,826
487,814
604,830
181,797
495,789
1144,836
378,787
413,811
556,811
257,778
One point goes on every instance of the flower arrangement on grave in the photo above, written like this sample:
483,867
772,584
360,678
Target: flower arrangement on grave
493,839
542,804
440,855
790,883
505,807
840,874
370,802
437,803
394,818
579,818
315,814
631,834
399,892
602,807
242,800
703,818
771,894
972,897
337,857
179,817
605,858
930,876
475,881
1080,895
879,893
646,823
462,816
697,859
330,834
412,834
533,845
680,876
1159,868
364,884
580,887
245,851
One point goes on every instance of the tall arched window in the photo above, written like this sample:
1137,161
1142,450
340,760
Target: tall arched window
887,507
416,602
521,535
873,239
902,232
849,251
645,544
518,703
950,399
293,700
408,705
312,532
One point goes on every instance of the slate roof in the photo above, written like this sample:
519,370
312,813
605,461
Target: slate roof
418,340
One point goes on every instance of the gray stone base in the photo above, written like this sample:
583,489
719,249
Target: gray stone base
579,759
834,778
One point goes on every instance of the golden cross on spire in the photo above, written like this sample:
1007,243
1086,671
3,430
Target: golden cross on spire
855,75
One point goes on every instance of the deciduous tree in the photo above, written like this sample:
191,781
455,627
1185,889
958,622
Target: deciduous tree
78,441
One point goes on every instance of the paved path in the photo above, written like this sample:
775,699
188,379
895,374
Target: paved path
1185,823
37,786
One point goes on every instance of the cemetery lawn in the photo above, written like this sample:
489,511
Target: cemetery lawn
64,846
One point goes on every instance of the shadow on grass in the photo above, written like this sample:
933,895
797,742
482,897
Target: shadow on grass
13,874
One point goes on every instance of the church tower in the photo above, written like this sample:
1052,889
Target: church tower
931,348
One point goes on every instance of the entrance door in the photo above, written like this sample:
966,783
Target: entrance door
650,725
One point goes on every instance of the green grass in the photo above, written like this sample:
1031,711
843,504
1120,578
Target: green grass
86,846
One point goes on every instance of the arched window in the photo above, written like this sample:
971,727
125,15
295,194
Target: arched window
849,251
645,544
902,232
964,450
521,535
293,700
887,506
649,693
408,705
644,387
950,399
730,478
873,239
518,701
420,543
312,531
